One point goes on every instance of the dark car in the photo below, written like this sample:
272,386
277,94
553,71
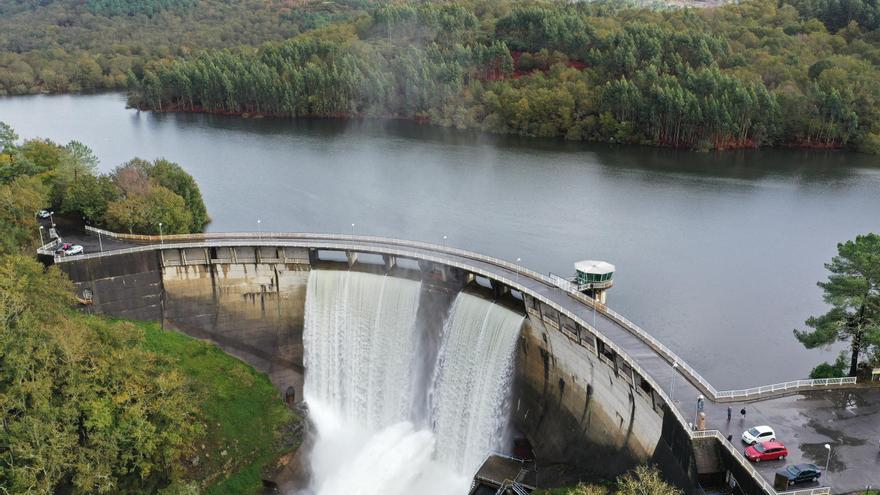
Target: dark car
800,473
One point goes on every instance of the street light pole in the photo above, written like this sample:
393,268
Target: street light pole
827,460
517,271
444,242
594,311
41,236
259,229
674,372
161,239
352,230
100,242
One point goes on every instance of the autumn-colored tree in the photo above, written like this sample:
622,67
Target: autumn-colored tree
132,177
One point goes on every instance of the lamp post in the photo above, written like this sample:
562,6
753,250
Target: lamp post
444,241
41,236
100,242
674,372
594,311
518,260
161,239
827,460
259,229
352,230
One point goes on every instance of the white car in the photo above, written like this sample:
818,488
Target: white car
758,434
45,213
75,249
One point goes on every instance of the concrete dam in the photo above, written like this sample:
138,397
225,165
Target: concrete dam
433,357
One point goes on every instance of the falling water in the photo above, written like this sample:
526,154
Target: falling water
360,353
359,344
475,363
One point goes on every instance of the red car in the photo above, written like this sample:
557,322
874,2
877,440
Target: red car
766,451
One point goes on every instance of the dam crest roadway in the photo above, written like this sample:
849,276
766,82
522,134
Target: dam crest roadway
806,414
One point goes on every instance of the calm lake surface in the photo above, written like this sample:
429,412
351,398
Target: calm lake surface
717,254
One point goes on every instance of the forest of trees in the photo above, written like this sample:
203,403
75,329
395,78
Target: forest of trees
91,405
96,406
136,196
84,409
758,73
74,45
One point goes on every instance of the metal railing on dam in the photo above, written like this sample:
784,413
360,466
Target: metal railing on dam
740,395
458,258
754,393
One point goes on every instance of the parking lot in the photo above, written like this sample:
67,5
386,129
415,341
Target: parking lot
848,420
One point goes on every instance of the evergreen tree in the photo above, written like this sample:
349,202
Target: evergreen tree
853,291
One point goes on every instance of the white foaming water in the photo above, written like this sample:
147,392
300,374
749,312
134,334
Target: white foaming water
359,343
470,386
360,349
348,459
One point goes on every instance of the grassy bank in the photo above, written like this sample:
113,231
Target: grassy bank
243,416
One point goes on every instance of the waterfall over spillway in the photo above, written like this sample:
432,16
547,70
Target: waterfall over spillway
475,363
361,343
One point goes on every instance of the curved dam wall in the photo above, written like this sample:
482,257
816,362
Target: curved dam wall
584,410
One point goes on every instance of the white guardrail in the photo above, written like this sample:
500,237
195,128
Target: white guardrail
553,280
270,239
49,248
686,369
736,454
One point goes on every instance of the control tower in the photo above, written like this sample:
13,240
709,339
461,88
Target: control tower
593,278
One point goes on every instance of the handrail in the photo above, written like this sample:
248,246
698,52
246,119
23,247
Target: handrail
552,280
49,248
686,369
302,240
765,485
307,240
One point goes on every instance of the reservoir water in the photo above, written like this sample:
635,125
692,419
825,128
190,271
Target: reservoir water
717,254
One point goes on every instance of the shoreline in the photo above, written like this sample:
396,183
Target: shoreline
731,145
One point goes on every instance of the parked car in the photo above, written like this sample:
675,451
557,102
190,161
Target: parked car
74,249
800,473
45,213
766,451
758,434
63,247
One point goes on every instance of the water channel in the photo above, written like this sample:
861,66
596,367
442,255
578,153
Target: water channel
717,254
